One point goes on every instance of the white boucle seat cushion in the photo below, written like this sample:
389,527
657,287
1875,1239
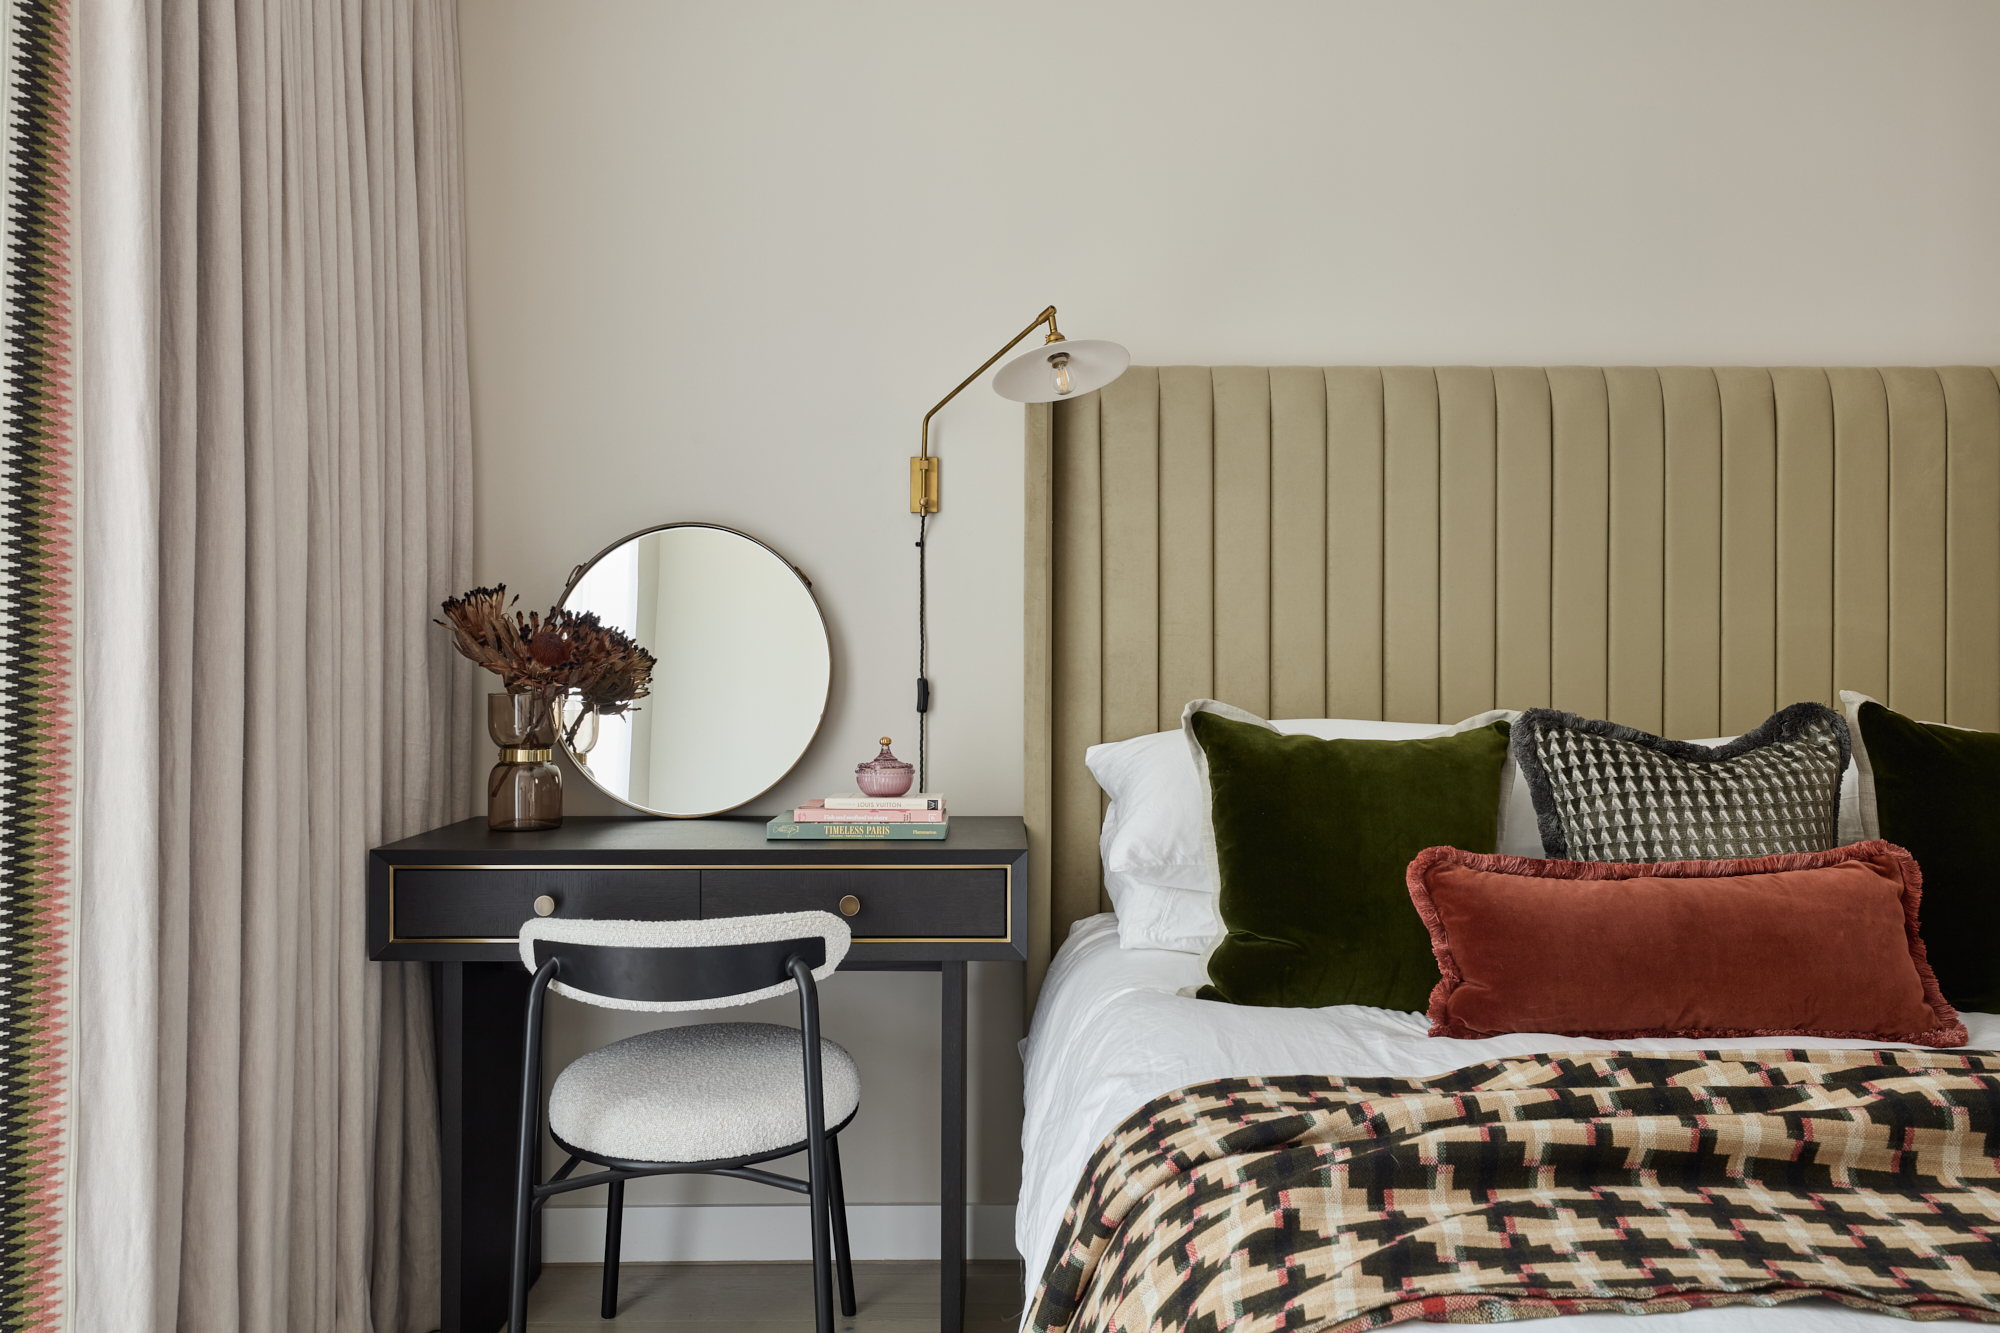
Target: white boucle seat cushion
695,1094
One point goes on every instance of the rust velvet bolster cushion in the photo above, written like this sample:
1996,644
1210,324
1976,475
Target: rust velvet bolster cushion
1811,944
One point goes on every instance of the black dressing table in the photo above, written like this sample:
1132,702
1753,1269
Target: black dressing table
457,895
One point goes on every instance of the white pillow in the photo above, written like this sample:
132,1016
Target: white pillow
1152,917
1148,836
1860,820
1160,882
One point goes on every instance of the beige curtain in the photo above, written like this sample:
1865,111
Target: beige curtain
275,460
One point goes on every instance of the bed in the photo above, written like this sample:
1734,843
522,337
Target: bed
1683,550
1112,1032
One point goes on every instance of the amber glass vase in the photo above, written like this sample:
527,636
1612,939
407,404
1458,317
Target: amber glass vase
524,791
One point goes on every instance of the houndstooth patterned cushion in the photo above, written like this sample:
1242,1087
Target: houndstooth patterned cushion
1604,792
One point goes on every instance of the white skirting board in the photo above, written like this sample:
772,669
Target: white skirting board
721,1233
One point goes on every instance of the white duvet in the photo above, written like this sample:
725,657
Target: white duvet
1110,1034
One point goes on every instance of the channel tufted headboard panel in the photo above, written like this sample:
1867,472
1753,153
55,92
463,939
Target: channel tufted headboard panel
1681,549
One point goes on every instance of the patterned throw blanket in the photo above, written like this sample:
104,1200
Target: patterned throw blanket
1543,1185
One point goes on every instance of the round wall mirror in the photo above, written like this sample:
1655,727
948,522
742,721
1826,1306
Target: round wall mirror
744,667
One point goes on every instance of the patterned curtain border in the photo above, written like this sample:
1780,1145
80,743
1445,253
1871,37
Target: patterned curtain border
35,661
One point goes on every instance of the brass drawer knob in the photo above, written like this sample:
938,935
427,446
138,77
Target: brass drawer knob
850,905
545,906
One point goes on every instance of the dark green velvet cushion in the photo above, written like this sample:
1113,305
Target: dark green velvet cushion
1937,795
1313,840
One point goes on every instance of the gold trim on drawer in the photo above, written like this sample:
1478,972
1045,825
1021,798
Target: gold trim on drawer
1007,891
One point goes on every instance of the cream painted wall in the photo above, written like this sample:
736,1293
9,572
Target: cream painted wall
723,257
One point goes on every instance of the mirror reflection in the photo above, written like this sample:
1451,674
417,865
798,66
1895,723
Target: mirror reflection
741,681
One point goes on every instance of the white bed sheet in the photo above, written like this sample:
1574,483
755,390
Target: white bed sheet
1110,1034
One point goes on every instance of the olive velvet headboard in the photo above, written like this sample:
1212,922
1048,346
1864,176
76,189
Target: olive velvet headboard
1683,550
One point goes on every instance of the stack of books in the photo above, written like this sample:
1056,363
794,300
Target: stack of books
917,817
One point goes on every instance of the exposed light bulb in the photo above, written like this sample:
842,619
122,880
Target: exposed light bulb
1059,364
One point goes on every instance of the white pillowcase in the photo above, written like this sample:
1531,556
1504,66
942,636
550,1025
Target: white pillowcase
1151,917
1859,818
1151,843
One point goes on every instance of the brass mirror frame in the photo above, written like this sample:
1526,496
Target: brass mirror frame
576,577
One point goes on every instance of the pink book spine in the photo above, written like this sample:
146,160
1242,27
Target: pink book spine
812,812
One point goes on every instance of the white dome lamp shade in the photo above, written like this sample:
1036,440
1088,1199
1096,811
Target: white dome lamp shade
1061,369
1056,370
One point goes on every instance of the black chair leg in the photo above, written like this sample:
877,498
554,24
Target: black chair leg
837,1196
527,1155
614,1220
822,1267
817,1143
517,1293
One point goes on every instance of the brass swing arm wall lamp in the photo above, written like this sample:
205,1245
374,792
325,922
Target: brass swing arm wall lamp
1058,369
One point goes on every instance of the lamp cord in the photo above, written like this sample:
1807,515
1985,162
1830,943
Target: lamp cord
923,659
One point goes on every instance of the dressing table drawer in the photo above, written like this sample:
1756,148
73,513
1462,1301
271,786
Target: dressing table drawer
459,894
470,903
885,903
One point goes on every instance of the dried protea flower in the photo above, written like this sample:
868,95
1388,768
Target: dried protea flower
554,656
609,672
481,630
547,648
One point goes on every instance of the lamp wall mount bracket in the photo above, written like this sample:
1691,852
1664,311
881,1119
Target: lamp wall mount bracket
923,467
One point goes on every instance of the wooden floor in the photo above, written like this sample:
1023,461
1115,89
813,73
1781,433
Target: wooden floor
765,1298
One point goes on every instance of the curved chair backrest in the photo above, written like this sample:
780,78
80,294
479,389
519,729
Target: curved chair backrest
666,966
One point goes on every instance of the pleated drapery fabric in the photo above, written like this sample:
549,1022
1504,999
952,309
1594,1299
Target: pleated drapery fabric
276,485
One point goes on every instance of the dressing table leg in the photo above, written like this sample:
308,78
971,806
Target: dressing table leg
951,1155
482,1010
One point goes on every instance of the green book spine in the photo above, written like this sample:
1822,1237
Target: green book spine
785,828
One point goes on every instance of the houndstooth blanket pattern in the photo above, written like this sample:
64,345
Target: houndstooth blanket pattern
1539,1186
